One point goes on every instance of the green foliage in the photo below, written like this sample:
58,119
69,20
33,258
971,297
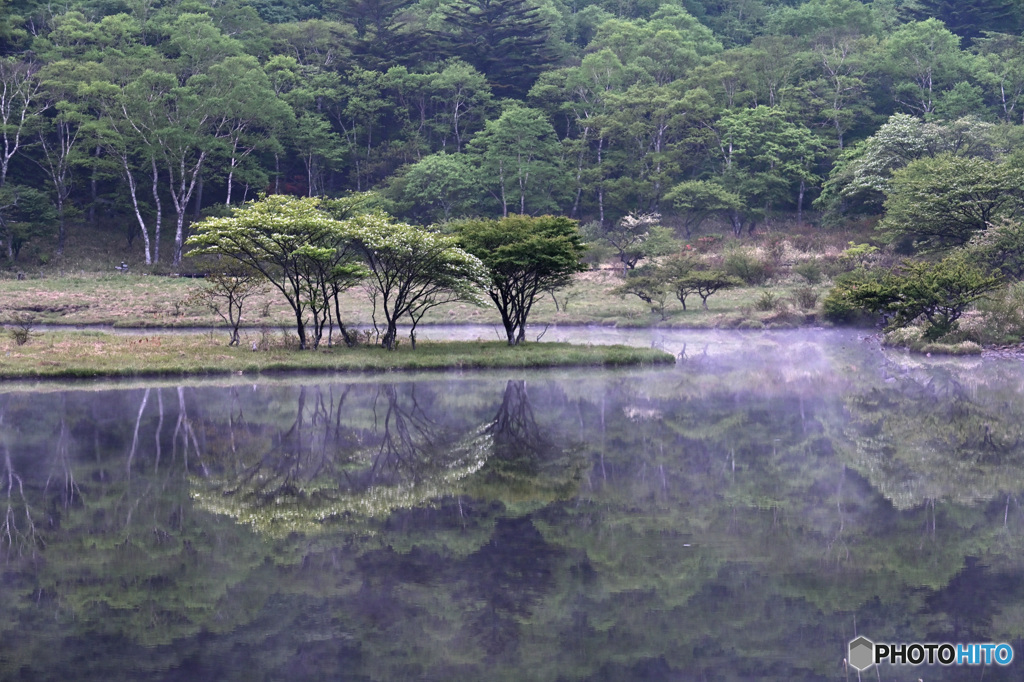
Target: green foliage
26,214
939,293
650,287
704,283
810,270
635,237
746,266
1003,316
718,111
943,201
437,187
862,175
998,16
768,300
299,248
523,257
839,307
506,40
858,253
765,157
923,57
806,297
411,270
999,248
21,329
701,199
517,159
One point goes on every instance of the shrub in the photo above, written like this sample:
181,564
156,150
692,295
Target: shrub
747,267
839,307
21,332
1003,316
806,297
858,254
939,292
810,270
767,301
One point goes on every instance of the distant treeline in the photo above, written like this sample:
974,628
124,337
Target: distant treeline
146,113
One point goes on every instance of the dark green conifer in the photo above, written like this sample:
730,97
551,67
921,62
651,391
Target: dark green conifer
506,40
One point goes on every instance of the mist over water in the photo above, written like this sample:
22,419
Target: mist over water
742,515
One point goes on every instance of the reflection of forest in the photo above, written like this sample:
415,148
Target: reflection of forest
642,525
939,433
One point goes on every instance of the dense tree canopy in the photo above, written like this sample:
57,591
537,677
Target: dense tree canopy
297,245
523,257
725,112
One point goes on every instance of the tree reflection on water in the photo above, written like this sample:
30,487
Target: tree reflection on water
731,519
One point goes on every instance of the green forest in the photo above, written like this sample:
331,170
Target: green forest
141,116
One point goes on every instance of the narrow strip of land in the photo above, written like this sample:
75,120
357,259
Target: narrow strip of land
96,354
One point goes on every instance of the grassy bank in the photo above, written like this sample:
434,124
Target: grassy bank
135,300
83,288
94,354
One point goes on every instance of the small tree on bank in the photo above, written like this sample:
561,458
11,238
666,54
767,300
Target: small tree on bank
225,294
680,275
649,287
635,238
524,256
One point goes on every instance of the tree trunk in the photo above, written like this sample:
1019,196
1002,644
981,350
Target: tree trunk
61,224
800,204
199,199
159,214
390,336
300,328
179,238
92,189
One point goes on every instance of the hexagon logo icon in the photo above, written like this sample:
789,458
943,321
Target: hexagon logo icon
862,653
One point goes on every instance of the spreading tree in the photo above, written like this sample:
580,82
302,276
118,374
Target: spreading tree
411,270
295,243
523,256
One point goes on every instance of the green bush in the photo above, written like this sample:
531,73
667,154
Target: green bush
21,331
839,306
1003,316
806,297
767,301
747,267
939,293
810,270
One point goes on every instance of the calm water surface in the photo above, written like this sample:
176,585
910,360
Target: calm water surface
740,516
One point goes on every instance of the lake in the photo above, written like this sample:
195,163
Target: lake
740,516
